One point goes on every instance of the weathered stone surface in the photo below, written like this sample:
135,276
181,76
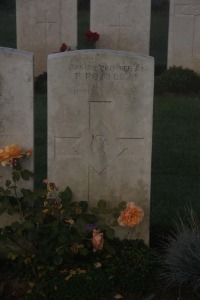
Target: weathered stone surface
16,106
100,126
184,38
122,25
43,25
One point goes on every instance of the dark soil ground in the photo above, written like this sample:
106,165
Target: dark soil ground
14,290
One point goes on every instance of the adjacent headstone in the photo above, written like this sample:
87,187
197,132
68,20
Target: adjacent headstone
184,37
43,25
16,108
122,25
100,126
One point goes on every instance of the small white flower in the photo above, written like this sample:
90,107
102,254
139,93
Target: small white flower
97,264
118,296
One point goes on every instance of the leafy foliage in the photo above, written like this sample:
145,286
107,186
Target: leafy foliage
127,271
178,80
131,265
58,247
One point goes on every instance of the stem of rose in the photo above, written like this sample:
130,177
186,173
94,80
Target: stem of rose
18,202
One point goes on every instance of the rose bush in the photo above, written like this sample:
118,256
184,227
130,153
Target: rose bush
55,236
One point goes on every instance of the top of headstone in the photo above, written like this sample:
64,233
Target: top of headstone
16,52
101,51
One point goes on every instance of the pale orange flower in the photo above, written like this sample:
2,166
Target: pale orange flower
14,151
131,216
4,157
97,240
97,265
10,152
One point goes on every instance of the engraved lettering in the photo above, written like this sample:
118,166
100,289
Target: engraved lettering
116,77
88,75
95,76
102,67
77,75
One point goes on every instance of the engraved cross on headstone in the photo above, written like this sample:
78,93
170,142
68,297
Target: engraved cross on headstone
119,26
192,10
46,23
97,146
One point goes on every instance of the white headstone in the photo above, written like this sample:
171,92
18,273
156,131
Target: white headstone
43,25
122,25
16,107
100,126
184,37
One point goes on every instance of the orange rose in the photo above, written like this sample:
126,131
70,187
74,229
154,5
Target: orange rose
13,151
4,157
97,240
131,216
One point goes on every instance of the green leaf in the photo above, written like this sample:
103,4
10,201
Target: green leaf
7,192
28,225
26,174
95,210
60,251
109,248
106,211
89,218
122,205
15,176
26,192
110,233
83,205
101,204
2,210
58,260
63,238
115,223
65,196
8,183
84,251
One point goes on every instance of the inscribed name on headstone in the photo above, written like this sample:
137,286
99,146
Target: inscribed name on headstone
122,25
43,25
184,34
16,108
100,126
